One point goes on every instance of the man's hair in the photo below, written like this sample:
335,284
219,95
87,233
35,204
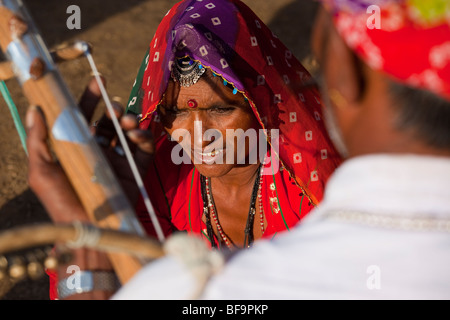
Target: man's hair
423,112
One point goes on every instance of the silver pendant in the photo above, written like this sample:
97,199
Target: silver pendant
187,72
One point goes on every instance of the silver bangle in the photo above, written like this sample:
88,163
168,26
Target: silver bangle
87,281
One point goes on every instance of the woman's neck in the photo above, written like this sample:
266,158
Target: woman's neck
236,179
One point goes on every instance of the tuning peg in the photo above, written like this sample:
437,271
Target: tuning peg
17,26
37,68
6,71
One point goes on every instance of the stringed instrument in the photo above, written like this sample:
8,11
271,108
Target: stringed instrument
82,159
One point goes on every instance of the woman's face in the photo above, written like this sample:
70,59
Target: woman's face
210,123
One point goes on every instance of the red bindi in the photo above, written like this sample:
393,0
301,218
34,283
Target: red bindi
192,103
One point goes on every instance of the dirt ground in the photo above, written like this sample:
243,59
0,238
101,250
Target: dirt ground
120,32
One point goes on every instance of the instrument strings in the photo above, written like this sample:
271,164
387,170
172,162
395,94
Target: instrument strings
124,144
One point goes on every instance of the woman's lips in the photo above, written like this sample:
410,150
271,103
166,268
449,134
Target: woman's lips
207,157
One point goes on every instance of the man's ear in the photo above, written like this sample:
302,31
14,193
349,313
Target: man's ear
343,70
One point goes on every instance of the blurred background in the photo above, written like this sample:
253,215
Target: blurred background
120,32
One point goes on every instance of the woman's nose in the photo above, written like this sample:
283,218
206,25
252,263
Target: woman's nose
202,133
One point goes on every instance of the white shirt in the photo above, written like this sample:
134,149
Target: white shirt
328,257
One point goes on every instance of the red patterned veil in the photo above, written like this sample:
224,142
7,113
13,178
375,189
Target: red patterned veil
226,37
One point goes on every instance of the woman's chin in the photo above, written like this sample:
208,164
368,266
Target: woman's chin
211,166
213,170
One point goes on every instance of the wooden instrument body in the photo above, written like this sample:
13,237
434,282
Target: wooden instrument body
76,149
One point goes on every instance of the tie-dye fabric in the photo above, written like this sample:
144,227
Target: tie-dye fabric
407,39
229,39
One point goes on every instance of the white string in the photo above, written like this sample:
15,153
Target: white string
87,236
124,144
196,257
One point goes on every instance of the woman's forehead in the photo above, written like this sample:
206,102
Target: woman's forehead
208,90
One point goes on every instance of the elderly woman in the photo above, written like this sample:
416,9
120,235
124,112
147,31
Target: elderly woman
217,67
216,88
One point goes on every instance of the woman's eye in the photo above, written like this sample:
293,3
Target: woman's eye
222,109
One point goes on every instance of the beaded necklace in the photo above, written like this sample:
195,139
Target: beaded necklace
210,211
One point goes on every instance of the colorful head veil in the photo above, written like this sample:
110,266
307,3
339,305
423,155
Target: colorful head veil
229,39
407,39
